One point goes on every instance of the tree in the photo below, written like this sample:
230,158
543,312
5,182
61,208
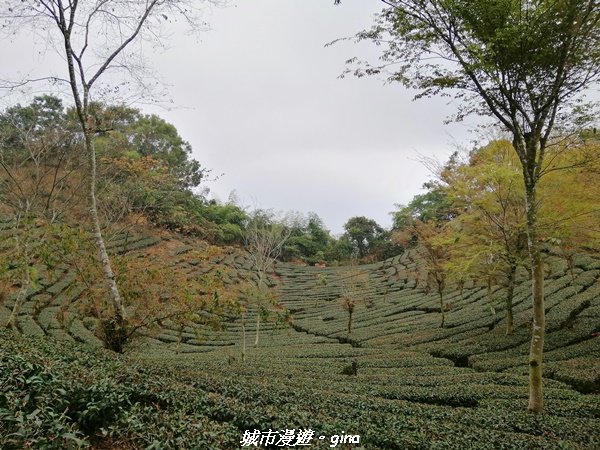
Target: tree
308,240
265,238
353,287
364,234
432,205
229,222
525,63
95,38
432,244
159,294
339,250
490,237
125,131
572,226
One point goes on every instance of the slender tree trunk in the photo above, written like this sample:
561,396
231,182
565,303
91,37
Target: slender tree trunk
257,329
259,303
243,337
510,292
442,309
350,321
109,277
537,275
81,105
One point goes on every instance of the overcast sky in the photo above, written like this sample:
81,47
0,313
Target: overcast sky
259,99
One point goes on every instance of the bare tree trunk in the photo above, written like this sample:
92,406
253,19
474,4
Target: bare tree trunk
243,337
109,277
442,309
257,329
350,322
510,293
537,274
82,105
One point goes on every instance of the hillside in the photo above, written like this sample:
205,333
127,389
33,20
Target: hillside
397,379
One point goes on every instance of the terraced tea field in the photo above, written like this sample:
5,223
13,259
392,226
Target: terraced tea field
396,314
397,380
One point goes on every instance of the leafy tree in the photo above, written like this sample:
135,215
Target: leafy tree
156,294
364,234
432,205
348,304
139,172
339,250
126,132
308,240
229,222
20,125
525,63
132,187
569,197
431,242
490,238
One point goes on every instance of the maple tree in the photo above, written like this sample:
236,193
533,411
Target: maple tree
489,234
430,241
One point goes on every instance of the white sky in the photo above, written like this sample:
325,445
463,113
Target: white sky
259,100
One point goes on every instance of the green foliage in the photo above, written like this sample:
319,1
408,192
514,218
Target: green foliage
364,234
144,167
501,52
229,221
126,132
350,369
419,386
364,240
19,125
339,250
33,404
308,241
433,205
85,397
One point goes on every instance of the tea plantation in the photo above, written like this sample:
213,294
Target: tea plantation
398,380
